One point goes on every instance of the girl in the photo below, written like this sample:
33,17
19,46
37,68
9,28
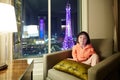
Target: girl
83,51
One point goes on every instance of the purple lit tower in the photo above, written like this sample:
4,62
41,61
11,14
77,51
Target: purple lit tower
68,40
41,29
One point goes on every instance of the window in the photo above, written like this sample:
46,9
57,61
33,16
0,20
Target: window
36,35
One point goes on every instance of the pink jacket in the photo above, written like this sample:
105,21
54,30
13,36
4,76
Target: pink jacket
82,54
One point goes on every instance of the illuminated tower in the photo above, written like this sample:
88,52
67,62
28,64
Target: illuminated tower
68,40
41,29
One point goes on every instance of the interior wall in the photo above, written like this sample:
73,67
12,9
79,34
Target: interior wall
84,15
100,20
115,10
118,30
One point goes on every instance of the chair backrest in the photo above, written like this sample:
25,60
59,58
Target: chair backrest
103,47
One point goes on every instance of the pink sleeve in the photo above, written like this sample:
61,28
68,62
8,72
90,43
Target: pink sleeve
74,53
92,51
89,53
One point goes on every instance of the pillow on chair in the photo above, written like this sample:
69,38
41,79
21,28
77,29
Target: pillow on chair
79,70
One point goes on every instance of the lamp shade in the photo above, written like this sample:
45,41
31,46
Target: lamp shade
7,18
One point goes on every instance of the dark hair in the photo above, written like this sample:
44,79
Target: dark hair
86,34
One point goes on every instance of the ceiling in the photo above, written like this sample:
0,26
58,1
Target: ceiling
57,6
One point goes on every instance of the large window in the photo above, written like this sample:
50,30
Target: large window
45,27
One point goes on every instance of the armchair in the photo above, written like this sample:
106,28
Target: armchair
106,69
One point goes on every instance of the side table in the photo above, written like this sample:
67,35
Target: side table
18,70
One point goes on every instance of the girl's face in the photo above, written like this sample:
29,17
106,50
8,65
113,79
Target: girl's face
82,39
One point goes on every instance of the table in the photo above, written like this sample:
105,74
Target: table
18,70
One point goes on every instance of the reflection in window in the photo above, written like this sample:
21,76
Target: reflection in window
34,40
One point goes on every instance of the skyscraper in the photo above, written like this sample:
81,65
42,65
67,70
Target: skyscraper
41,29
68,40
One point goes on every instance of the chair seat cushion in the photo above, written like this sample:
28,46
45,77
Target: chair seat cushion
79,70
54,74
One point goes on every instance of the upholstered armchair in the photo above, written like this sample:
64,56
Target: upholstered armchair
106,69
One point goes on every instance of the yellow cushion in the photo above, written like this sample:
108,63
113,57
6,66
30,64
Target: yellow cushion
77,69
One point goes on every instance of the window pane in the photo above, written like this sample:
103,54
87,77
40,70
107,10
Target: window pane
63,24
32,38
34,28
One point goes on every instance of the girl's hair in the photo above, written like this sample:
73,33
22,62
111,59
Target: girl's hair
86,34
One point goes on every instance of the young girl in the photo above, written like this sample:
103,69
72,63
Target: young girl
83,51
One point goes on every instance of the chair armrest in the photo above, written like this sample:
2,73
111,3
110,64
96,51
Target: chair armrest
104,68
49,60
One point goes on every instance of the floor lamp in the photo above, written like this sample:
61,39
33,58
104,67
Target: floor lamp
7,25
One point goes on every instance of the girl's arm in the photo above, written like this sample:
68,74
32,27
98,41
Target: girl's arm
74,54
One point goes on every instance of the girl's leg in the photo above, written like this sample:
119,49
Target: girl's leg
93,60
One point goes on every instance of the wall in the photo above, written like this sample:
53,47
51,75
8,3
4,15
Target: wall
84,15
99,20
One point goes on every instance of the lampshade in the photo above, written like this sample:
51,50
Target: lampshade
7,18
